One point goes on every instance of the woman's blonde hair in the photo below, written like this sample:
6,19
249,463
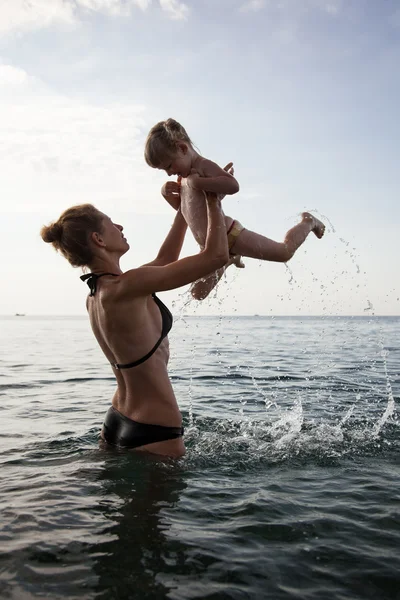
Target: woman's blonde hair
161,141
70,234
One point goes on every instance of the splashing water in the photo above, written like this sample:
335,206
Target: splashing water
344,379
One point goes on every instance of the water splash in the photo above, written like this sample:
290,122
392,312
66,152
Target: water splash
292,437
324,218
288,426
289,431
352,254
389,410
190,387
290,273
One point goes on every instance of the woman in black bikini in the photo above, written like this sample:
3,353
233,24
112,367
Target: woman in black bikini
129,321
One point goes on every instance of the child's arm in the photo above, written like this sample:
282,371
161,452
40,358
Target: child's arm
171,191
214,179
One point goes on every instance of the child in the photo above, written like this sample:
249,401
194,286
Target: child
169,147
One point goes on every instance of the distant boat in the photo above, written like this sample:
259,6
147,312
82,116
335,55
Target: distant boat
19,314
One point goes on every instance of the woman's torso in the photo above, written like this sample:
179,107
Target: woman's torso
126,331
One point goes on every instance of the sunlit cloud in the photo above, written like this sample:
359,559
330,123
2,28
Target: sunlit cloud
10,75
56,149
332,7
294,6
174,9
20,16
112,7
252,6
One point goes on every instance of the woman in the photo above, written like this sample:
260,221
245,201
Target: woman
129,321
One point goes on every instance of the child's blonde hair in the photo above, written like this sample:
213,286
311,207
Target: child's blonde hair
161,141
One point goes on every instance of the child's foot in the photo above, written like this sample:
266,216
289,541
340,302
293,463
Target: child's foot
236,260
318,227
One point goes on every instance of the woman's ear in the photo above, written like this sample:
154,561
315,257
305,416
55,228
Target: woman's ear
97,239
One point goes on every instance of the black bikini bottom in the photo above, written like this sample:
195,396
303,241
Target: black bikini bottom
119,430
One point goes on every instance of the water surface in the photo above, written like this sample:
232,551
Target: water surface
289,489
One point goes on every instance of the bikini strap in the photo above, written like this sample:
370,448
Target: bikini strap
166,326
91,280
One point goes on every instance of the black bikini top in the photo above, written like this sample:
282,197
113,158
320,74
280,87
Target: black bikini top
167,319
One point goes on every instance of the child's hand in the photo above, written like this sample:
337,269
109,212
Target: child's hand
171,191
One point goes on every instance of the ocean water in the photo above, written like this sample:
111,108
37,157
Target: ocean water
289,489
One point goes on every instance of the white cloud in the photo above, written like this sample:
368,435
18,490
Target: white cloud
112,7
176,10
330,6
19,16
252,6
23,15
12,75
56,150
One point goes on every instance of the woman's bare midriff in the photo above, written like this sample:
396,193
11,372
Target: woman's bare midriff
145,393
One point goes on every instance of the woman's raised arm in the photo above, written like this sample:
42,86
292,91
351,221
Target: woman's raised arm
150,278
172,245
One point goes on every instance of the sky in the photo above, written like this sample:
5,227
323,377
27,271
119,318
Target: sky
302,95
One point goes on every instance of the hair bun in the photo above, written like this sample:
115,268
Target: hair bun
51,233
173,125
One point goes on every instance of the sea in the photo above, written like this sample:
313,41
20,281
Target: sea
290,487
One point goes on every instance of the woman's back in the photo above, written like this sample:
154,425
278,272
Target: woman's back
127,330
130,323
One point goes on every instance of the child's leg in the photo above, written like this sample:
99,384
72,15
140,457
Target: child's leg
254,245
201,288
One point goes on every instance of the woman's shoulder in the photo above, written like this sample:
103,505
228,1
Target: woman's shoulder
127,287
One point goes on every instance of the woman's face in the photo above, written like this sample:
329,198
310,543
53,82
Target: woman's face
112,236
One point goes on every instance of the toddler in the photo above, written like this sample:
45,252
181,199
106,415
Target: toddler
168,147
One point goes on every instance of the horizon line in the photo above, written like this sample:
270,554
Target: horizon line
348,316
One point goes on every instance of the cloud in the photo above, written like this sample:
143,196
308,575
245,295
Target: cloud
56,150
330,6
112,7
252,6
12,75
176,10
19,16
23,15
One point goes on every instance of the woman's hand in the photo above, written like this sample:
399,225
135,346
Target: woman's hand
229,169
171,191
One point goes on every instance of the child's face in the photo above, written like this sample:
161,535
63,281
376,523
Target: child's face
179,163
